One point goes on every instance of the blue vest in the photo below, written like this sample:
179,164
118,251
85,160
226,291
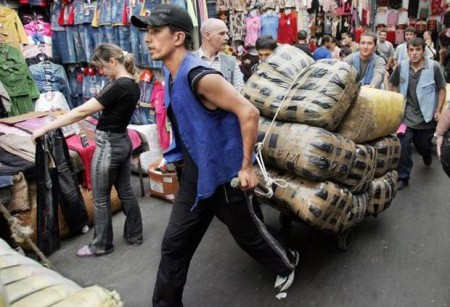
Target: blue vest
212,138
426,88
356,60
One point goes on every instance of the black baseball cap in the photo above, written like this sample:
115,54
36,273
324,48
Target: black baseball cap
163,15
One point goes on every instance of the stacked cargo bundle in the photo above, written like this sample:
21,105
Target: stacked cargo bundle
328,138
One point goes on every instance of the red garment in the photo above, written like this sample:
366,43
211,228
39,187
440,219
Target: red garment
67,15
157,101
86,153
41,3
358,34
287,28
436,8
391,36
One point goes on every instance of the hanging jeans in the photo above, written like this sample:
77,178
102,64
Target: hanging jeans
48,239
111,165
57,182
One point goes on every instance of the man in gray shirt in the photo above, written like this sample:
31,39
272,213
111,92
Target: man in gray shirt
385,48
214,38
368,64
421,82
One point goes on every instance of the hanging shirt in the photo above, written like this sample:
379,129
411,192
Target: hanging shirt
252,26
269,25
287,28
392,18
51,101
403,17
11,25
382,16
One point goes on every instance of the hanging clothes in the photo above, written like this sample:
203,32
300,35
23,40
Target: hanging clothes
5,102
252,27
269,24
157,101
11,25
51,77
56,183
17,80
287,28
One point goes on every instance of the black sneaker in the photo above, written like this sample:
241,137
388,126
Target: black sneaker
401,184
283,283
427,160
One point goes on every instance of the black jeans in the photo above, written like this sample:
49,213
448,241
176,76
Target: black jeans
422,142
186,229
56,183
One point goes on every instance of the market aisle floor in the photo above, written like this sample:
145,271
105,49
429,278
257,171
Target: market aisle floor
397,259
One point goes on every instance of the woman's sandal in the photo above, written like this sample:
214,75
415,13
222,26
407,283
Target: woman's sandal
85,251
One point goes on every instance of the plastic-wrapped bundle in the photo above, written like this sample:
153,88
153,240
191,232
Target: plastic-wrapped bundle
280,69
324,205
362,169
381,192
317,154
388,154
28,283
319,97
357,210
92,297
376,113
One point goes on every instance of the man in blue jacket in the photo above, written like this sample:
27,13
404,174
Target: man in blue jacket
421,82
215,130
370,66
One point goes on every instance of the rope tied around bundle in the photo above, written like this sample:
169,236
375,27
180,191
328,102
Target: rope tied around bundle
22,234
269,182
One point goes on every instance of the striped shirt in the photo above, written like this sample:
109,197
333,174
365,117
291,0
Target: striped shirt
214,63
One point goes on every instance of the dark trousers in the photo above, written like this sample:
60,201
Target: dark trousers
422,141
186,229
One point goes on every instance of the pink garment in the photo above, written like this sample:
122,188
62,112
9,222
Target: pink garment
32,124
7,129
252,27
41,27
157,100
86,154
32,50
392,17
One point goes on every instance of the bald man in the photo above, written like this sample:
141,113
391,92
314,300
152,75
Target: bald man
214,38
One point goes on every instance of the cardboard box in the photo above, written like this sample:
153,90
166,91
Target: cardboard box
164,186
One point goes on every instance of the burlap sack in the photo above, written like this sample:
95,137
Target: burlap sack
362,169
324,205
381,192
319,97
376,113
388,154
317,154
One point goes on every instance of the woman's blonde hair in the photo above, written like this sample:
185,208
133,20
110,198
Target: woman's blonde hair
101,55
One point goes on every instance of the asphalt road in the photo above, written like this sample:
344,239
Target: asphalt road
400,258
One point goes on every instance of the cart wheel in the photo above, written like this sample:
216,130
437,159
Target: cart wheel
285,220
345,239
